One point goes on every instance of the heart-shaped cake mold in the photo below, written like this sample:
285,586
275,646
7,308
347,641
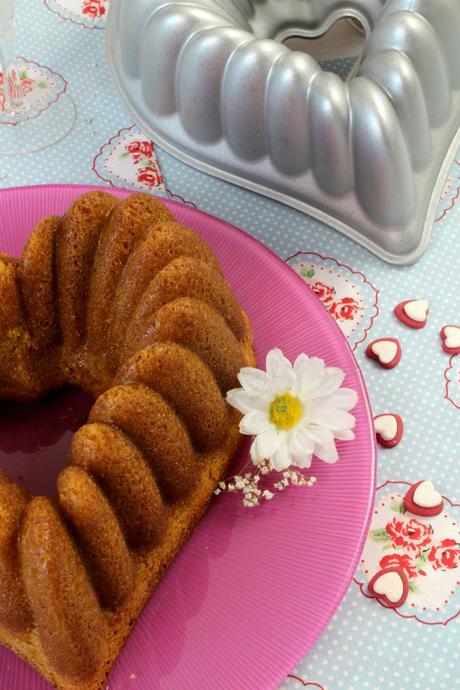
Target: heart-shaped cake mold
423,499
212,83
388,429
413,313
450,336
390,586
385,351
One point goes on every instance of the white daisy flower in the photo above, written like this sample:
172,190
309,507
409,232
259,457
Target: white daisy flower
294,412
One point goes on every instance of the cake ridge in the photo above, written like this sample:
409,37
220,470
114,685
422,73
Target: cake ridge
126,492
105,550
133,282
197,325
186,277
67,613
14,607
152,425
77,242
162,367
118,239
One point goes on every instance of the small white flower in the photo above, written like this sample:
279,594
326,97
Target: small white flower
294,411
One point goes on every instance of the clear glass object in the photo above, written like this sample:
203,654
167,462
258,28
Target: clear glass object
26,125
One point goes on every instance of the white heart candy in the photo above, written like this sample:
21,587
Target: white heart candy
426,496
385,350
417,310
452,336
386,426
389,585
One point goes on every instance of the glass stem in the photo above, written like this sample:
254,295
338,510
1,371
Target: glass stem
11,81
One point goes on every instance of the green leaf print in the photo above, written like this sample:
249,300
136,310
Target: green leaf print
307,273
422,559
398,506
42,85
23,74
124,155
413,587
379,535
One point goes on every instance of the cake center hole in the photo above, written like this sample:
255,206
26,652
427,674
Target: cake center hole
343,42
35,438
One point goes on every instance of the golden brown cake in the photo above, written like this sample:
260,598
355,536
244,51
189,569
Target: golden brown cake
120,300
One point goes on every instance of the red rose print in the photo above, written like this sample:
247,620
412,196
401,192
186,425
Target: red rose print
404,561
90,11
412,535
27,85
345,309
445,555
17,90
149,176
325,292
143,147
2,94
94,8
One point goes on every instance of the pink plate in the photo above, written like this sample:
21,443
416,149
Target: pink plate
252,590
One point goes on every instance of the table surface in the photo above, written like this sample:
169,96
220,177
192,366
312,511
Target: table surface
365,645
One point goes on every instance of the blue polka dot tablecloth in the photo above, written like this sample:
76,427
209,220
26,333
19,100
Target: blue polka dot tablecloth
417,645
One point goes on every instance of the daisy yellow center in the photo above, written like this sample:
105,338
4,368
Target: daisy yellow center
285,411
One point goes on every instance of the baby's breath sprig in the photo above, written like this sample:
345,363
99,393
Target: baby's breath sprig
248,483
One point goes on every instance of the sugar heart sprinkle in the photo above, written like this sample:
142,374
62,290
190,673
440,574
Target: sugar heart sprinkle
450,336
417,309
386,426
389,585
426,496
385,350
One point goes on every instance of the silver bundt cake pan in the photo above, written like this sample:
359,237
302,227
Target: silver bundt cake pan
212,83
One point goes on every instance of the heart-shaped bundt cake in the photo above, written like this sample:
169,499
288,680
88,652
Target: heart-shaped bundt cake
118,299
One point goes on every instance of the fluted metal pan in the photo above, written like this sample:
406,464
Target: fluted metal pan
212,83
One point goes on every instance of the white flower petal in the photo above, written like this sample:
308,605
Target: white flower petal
318,434
253,453
347,435
245,401
276,364
300,444
254,422
301,448
301,361
253,380
343,399
310,374
302,460
327,452
331,382
281,459
280,384
334,419
265,444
